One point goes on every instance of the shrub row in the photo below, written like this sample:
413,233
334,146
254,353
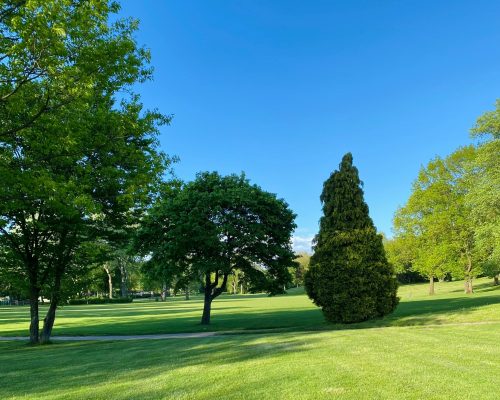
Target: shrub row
99,300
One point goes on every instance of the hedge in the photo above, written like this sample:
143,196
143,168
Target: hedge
98,300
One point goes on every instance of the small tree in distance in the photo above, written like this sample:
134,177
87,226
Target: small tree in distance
349,276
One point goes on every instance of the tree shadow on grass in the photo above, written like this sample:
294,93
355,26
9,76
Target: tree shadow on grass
408,313
63,367
480,288
433,311
241,318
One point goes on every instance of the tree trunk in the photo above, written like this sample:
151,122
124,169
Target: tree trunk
48,321
468,276
34,326
495,280
431,285
187,292
110,281
211,292
123,281
163,291
207,305
468,286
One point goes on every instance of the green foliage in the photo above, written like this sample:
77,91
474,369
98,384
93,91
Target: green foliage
298,273
451,222
78,154
349,276
215,225
488,124
436,225
399,253
483,198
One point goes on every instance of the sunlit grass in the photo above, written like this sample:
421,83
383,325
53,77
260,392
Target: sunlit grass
254,312
440,347
444,362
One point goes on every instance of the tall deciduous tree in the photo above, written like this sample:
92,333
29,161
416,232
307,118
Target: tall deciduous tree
349,276
75,164
436,220
216,225
483,198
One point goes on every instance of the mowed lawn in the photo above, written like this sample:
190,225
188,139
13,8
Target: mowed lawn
290,312
440,347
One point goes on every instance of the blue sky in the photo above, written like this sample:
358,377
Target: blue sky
282,89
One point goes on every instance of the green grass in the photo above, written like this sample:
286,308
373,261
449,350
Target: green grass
444,347
290,312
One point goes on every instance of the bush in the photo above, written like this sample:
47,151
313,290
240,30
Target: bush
99,300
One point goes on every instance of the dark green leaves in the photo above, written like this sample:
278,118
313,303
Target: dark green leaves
349,276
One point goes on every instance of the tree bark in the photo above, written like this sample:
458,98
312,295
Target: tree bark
495,280
468,286
48,321
110,281
211,292
468,277
123,280
207,305
163,291
34,314
431,285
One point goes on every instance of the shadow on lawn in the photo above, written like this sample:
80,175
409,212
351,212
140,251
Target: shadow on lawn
408,313
480,288
93,366
432,311
155,321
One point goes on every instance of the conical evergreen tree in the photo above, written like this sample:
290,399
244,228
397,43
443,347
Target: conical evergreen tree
349,276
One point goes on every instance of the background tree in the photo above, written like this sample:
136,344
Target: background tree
216,225
349,276
435,223
75,164
401,254
483,198
303,259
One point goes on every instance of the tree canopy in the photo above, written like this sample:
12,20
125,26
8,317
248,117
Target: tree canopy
78,154
215,225
349,276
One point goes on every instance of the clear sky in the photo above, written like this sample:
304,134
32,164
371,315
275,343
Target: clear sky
282,89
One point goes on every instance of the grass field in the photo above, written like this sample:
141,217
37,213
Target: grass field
440,347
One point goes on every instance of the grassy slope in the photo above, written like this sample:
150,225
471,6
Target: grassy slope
447,355
289,312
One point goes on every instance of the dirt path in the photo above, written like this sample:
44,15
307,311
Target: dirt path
199,335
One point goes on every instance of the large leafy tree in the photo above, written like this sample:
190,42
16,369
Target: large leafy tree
483,198
216,225
436,222
76,164
349,276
